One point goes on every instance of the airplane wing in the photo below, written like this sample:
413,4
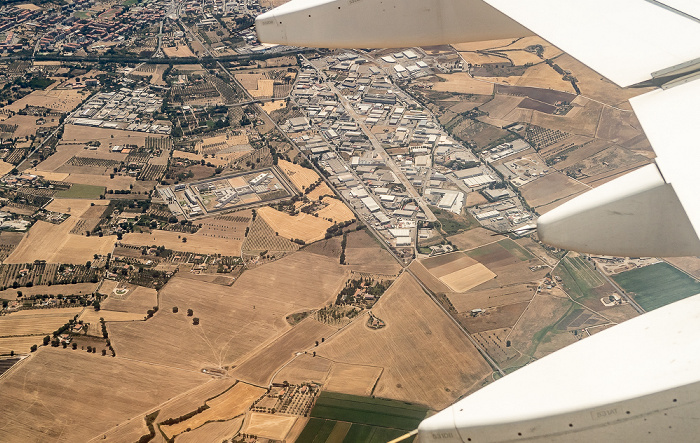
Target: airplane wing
628,41
653,211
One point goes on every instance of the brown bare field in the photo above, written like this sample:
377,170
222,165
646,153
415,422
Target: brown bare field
426,359
274,105
35,321
500,106
543,76
56,176
104,136
581,120
494,343
78,288
5,167
474,198
214,431
178,51
128,432
690,265
108,390
473,238
550,188
488,298
139,299
63,100
596,86
304,368
259,368
55,243
119,182
230,226
302,226
543,311
226,406
463,83
235,320
21,345
189,401
427,278
494,318
353,379
363,254
26,124
482,45
197,243
275,427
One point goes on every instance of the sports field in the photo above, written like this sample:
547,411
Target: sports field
363,419
657,285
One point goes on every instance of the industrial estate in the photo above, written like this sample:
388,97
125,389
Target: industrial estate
203,238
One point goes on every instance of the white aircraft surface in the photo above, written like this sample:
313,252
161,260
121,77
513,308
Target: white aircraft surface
642,377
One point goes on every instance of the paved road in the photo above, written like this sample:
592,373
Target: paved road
622,293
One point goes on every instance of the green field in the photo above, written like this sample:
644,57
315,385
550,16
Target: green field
82,191
521,253
372,420
452,223
578,276
657,285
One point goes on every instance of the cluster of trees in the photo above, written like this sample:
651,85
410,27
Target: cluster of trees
173,421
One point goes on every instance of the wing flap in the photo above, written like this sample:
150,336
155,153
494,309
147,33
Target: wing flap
624,40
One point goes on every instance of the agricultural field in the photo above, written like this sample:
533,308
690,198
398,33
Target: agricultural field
364,254
274,427
234,320
55,243
82,191
262,237
226,406
304,369
473,238
458,271
199,243
260,367
463,83
19,345
117,390
213,431
349,418
304,227
352,379
657,285
130,298
35,321
550,191
62,100
425,358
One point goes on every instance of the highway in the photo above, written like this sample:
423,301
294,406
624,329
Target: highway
622,293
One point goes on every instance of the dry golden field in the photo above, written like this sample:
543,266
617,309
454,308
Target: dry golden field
55,244
35,321
274,105
426,359
300,176
47,399
352,379
20,345
235,320
139,299
214,431
26,124
178,51
226,406
197,243
275,427
76,289
336,211
63,100
93,318
259,368
304,227
304,368
463,83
